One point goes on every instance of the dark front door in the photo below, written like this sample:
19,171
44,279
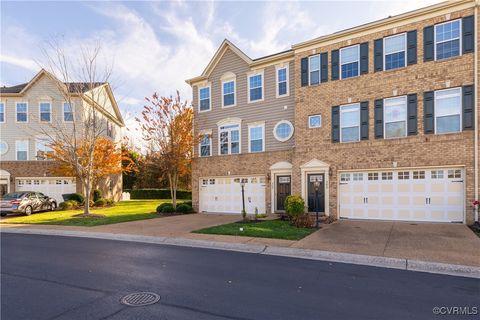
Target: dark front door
314,203
283,190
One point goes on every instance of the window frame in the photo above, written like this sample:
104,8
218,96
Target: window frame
253,74
16,111
460,129
277,125
287,75
72,104
209,134
40,111
340,60
229,130
404,50
234,92
252,126
17,142
38,140
435,39
359,122
4,112
209,86
385,121
312,116
319,70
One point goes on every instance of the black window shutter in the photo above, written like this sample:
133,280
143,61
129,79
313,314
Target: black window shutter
428,112
412,47
428,45
324,67
378,55
364,120
468,109
304,71
336,124
335,62
364,58
468,34
378,114
412,114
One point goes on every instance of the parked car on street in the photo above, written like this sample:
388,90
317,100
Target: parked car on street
26,202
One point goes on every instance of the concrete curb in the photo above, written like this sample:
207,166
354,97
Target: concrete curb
338,257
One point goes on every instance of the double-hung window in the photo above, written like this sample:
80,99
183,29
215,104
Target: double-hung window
228,88
229,139
350,123
448,110
206,145
2,112
45,111
255,87
21,149
22,111
394,53
349,61
204,98
395,117
447,39
256,138
314,73
67,112
42,148
282,82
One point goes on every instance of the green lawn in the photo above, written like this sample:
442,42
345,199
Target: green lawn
276,229
123,211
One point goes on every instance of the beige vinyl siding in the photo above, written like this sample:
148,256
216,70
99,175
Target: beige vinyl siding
271,109
43,90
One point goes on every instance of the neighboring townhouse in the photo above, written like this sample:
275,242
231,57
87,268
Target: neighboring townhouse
29,112
384,121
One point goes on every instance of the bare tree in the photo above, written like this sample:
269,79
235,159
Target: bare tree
80,80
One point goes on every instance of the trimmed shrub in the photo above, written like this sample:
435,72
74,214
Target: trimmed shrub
110,202
68,205
100,202
76,197
189,203
157,194
184,208
168,209
294,206
163,205
97,195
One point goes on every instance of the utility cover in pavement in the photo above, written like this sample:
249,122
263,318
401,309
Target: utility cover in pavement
139,299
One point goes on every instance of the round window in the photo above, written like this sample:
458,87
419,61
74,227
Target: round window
283,130
3,147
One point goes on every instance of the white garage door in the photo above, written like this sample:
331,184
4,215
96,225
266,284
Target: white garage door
52,187
435,195
224,194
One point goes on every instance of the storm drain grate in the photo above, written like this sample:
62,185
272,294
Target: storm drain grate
139,299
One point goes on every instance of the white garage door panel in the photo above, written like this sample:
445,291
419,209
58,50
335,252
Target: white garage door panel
52,187
435,195
224,194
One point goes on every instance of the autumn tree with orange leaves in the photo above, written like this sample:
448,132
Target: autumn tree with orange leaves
107,160
167,126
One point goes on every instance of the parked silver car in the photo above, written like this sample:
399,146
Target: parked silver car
26,202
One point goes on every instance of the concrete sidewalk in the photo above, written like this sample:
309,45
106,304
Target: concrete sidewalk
441,243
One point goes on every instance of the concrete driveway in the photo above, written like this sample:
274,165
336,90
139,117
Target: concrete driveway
447,243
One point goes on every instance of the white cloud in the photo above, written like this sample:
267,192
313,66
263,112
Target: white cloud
25,63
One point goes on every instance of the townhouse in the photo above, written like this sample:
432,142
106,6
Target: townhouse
381,118
32,111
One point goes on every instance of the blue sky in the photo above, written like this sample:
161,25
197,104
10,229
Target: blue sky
155,46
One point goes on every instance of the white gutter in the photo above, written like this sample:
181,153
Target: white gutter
476,107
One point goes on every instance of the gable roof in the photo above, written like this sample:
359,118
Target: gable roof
227,44
74,88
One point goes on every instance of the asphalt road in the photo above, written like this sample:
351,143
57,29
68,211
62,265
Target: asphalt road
48,277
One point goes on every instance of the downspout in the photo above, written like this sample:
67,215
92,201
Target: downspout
477,2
